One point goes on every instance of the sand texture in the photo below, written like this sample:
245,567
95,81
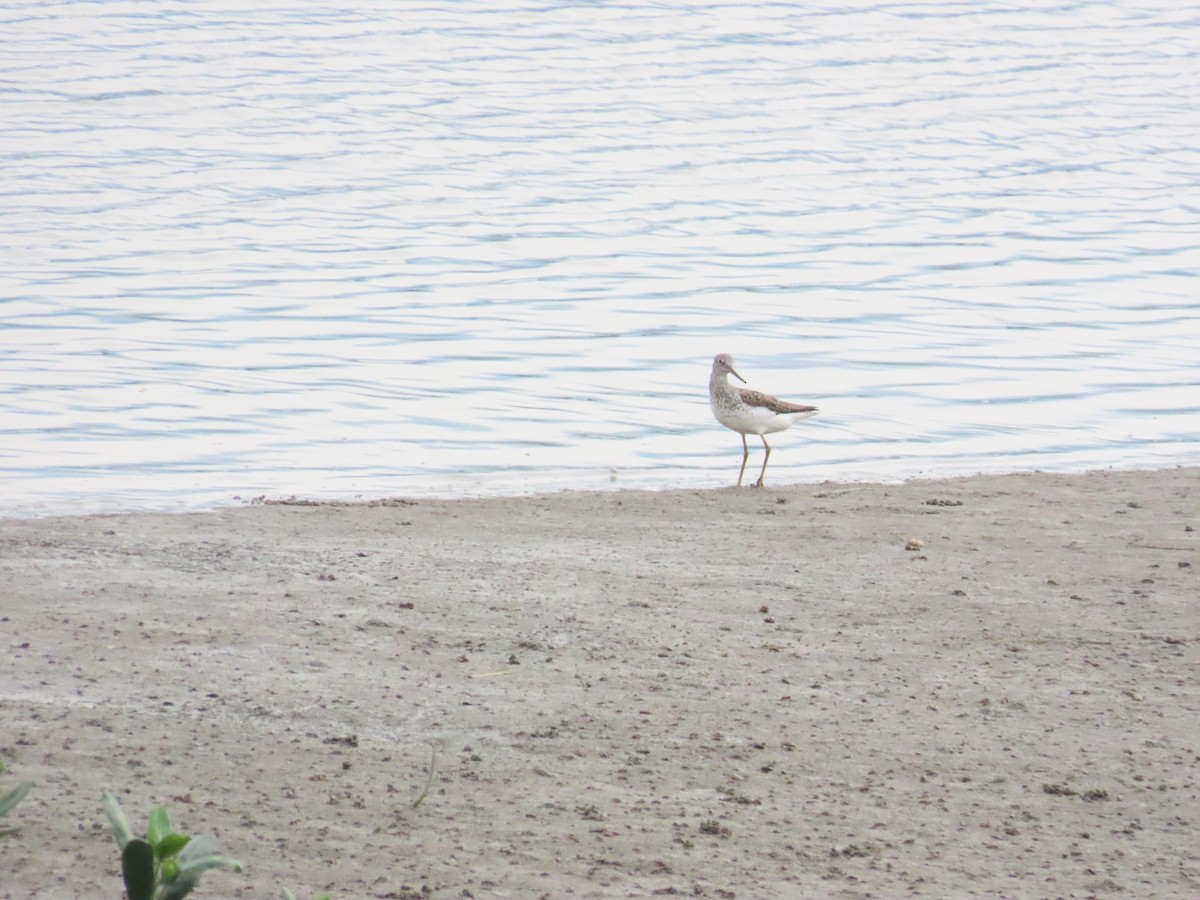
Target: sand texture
726,693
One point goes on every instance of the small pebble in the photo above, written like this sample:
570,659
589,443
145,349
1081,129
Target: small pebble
914,544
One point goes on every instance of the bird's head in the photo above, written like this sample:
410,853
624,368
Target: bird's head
723,364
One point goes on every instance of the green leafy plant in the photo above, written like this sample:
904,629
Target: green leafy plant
165,865
11,799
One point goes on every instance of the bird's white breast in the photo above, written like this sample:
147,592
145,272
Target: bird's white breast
754,419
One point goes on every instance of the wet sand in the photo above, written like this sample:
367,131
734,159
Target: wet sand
726,693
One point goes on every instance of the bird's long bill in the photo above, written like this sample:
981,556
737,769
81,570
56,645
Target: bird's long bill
737,376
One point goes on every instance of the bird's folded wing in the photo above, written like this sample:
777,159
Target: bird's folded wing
774,404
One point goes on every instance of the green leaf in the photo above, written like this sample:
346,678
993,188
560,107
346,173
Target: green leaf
160,825
204,863
15,796
116,817
180,887
137,867
202,854
170,845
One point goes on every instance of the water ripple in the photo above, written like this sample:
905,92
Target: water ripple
492,247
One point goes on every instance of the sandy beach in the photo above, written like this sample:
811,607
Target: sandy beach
985,686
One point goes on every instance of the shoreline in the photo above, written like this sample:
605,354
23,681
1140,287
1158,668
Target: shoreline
283,498
735,693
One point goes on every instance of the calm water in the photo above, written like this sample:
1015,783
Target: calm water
452,248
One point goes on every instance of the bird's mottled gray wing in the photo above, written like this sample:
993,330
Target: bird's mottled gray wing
774,404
